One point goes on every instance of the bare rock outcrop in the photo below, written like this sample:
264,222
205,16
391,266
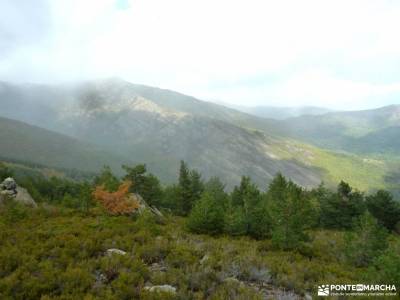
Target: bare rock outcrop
144,206
10,190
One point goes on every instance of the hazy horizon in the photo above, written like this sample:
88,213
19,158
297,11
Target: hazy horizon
342,55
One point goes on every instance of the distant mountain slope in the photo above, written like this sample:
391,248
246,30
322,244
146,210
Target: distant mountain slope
367,132
23,142
386,140
282,113
160,127
55,101
161,135
179,102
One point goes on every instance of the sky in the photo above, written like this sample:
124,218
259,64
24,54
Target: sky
340,54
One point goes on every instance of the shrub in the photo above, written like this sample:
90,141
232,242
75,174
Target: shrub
70,202
116,203
234,290
127,285
13,211
386,267
76,280
150,222
181,256
4,172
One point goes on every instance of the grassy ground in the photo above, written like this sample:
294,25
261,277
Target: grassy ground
53,253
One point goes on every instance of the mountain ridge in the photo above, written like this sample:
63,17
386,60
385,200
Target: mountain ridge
161,127
279,112
351,131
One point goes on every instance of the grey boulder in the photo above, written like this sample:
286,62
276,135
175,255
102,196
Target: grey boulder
161,288
9,189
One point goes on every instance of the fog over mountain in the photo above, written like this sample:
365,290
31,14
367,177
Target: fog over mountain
254,56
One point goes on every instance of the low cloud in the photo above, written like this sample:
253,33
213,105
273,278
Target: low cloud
339,54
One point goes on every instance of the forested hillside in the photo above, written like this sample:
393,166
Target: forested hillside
23,142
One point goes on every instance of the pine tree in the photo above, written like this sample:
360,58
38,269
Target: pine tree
318,195
249,206
291,214
207,216
152,190
366,242
277,187
145,184
196,186
235,221
184,178
170,198
190,188
340,209
85,196
384,208
184,196
216,188
344,189
259,221
136,175
253,211
107,179
238,193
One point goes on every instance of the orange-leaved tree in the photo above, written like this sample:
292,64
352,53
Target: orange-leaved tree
118,202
